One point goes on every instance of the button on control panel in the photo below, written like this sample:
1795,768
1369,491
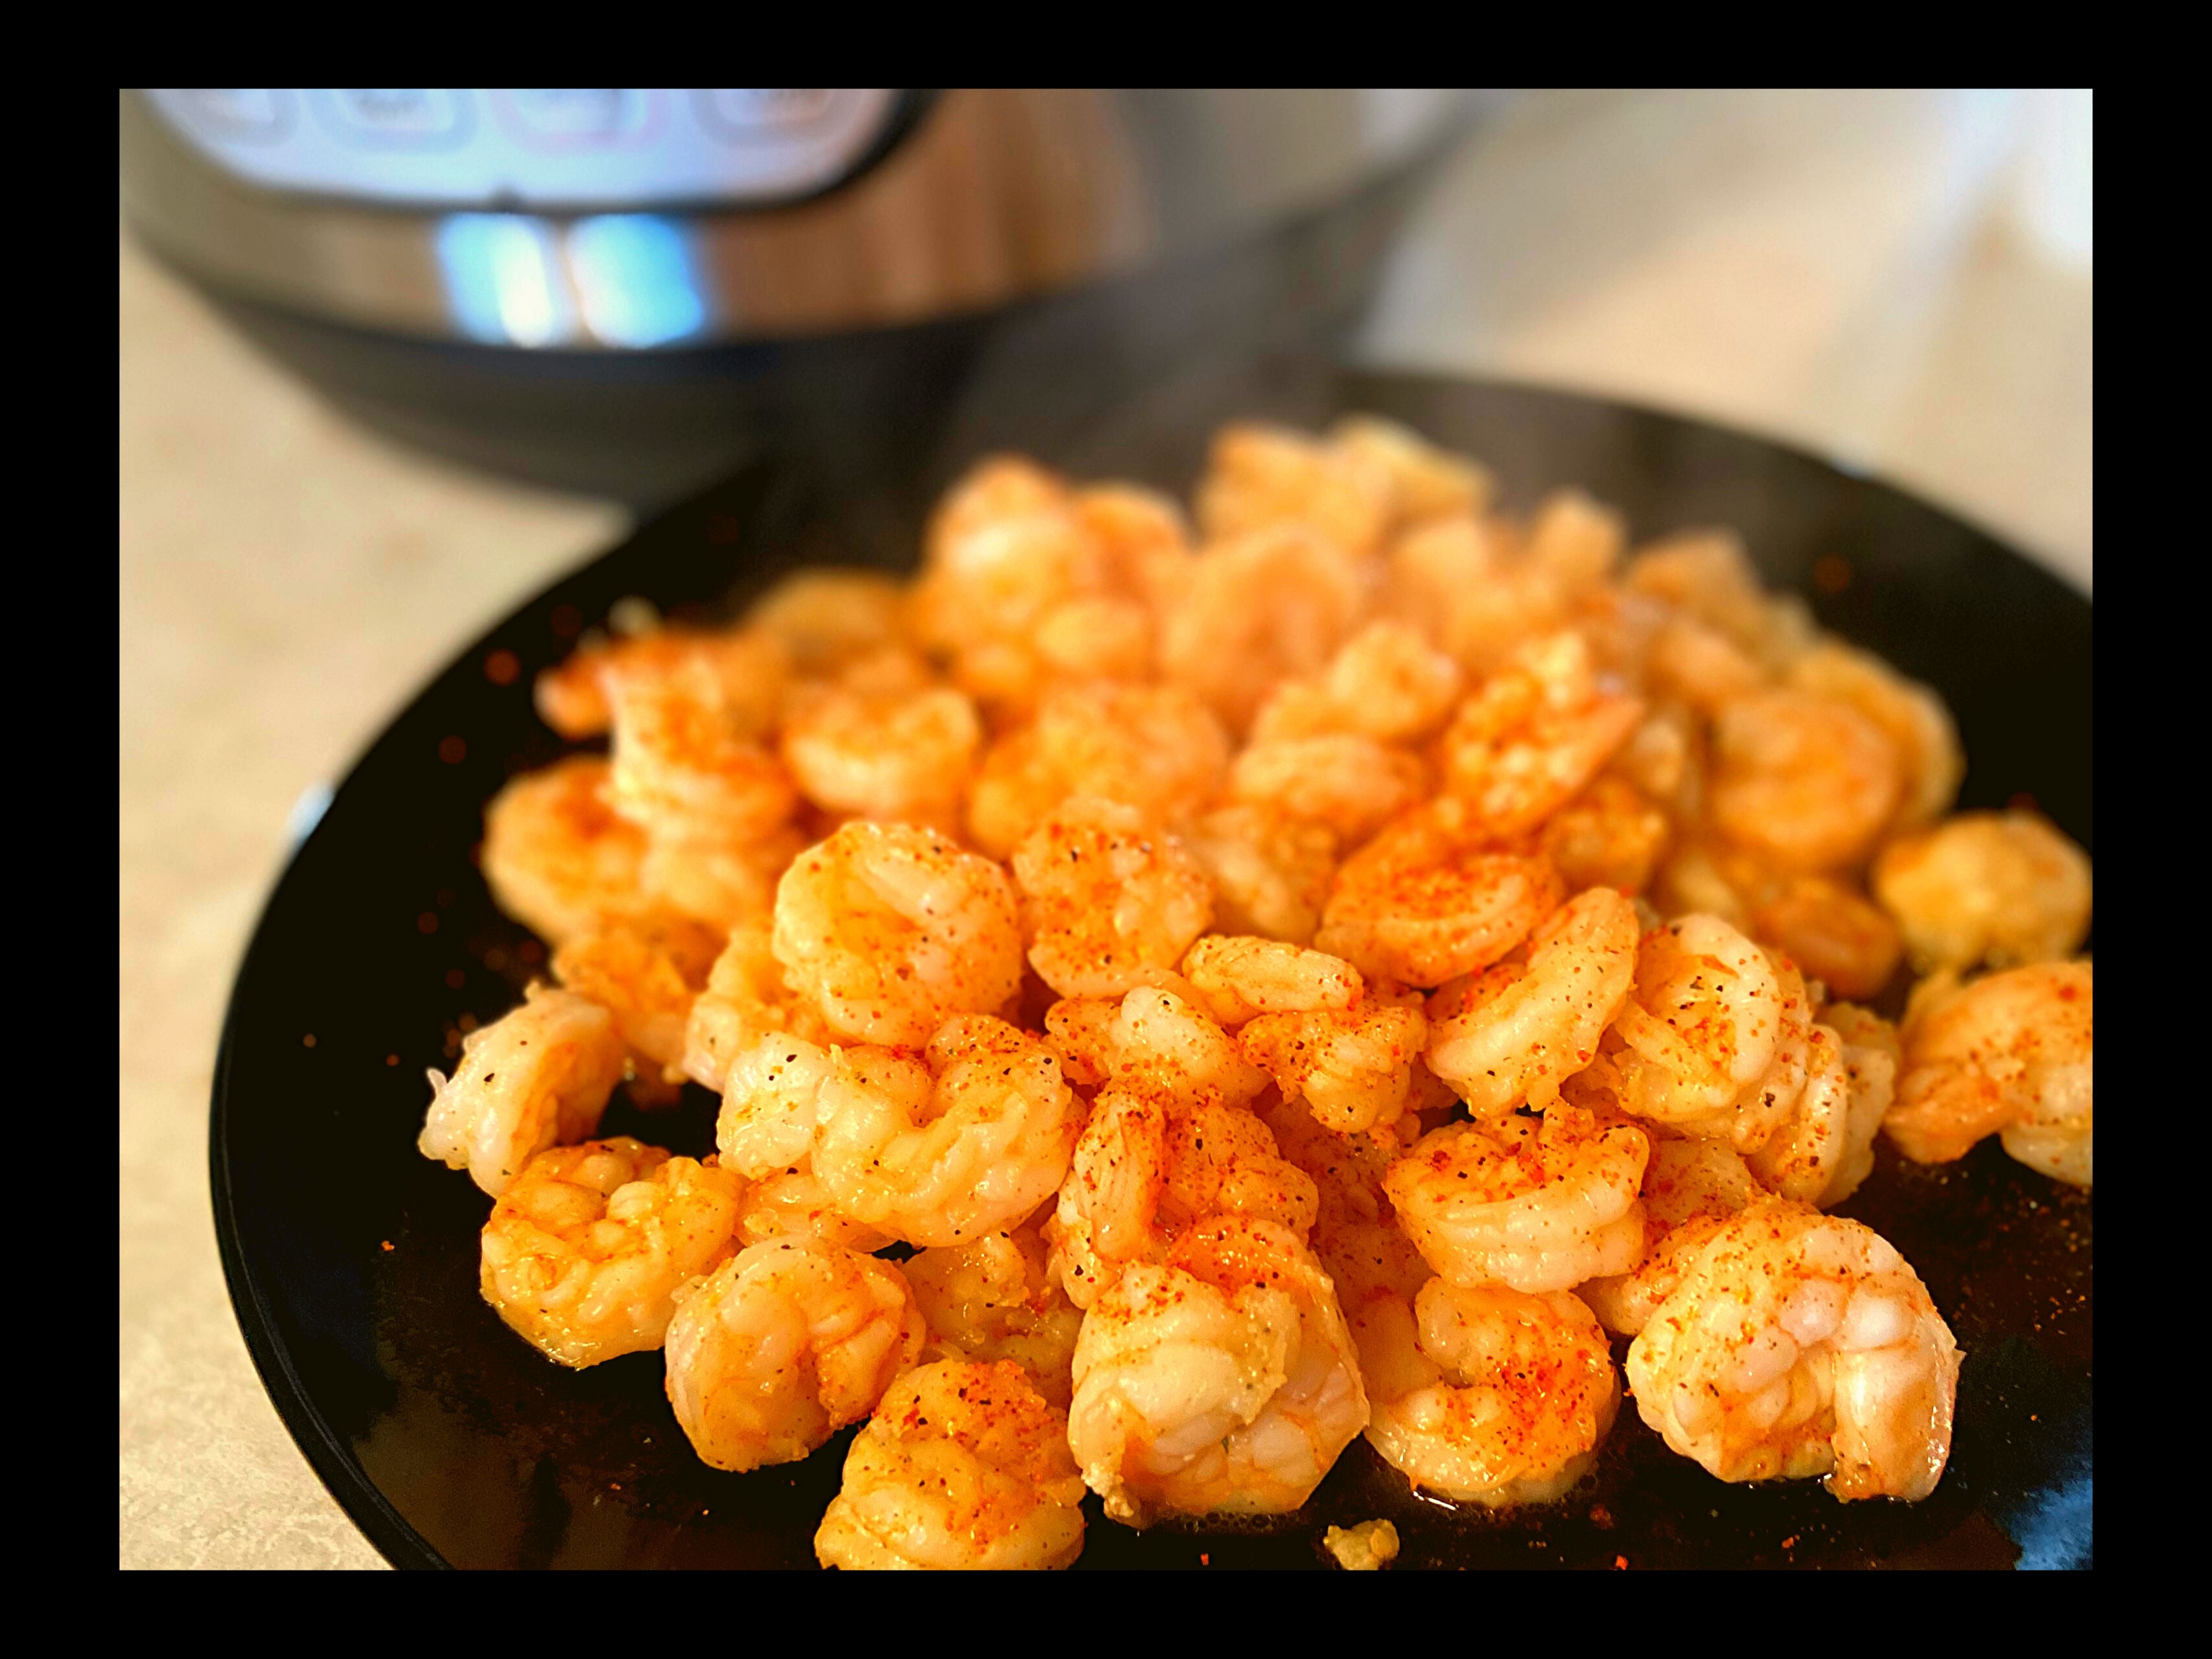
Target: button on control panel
581,149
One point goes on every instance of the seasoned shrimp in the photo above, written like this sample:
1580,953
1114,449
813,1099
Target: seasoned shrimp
727,884
1707,575
1241,977
1263,607
1919,726
538,1076
826,618
1536,733
748,667
587,1246
745,1000
1871,1055
1797,1345
1805,782
793,1203
1164,1044
1425,482
902,756
1387,684
1221,1380
1831,932
1420,905
1002,549
1827,1136
689,759
783,1345
892,930
1714,1033
2010,1055
1156,748
556,857
1143,537
1351,784
1259,477
1271,872
962,1466
1354,1068
647,971
1485,1394
1539,1208
1612,834
995,1299
1701,667
1527,1026
2000,888
1691,1189
1108,901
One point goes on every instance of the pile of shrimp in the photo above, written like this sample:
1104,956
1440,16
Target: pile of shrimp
1188,991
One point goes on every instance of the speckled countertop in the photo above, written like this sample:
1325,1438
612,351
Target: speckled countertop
1898,280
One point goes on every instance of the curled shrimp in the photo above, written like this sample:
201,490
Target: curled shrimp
747,667
689,760
1267,606
1221,1380
1805,782
961,1467
586,1247
1271,872
1535,733
1798,1345
1488,1395
1706,575
1350,783
538,1076
1831,932
2000,888
1159,1043
793,1203
556,857
2010,1055
1527,1027
1420,904
993,1299
897,756
1261,477
1108,901
1386,683
1691,1189
1242,977
892,930
1536,1207
783,1345
1425,482
1612,834
725,883
745,998
1002,549
826,618
1812,1152
1354,1068
647,971
1714,1033
1919,727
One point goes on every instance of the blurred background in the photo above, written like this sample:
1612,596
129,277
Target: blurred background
390,360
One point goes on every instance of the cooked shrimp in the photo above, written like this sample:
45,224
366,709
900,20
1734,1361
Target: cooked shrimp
1576,540
962,1466
1528,1026
1263,607
1797,1345
1806,782
2000,888
1488,1395
1871,1056
1715,1033
896,757
782,1346
891,931
745,1000
1259,477
1156,748
793,1203
2010,1055
1387,684
1143,537
1432,568
646,971
1701,667
1098,636
689,759
1221,1380
1354,1068
826,618
1351,784
1919,726
1691,1189
1706,575
538,1076
1003,547
1539,1208
1823,1139
556,855
1536,733
586,1247
1612,834
1164,1044
995,1299
1420,905
728,884
1107,899
1355,1232
748,667
1223,1161
1240,977
1831,932
1425,482
1271,872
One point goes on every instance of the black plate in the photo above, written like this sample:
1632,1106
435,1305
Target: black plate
352,1261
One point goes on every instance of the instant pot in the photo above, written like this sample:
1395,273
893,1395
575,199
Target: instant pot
628,290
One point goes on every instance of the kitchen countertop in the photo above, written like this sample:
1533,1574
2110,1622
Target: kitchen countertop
1898,280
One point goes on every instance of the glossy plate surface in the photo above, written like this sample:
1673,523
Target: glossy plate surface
352,1261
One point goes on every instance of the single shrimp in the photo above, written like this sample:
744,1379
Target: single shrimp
1159,1044
1221,1380
1576,540
2010,1055
1004,546
688,757
1425,482
1527,1026
1805,782
1714,1033
1488,1395
1699,666
1691,1189
647,971
556,857
1707,575
749,667
745,998
1354,1068
962,1466
1242,977
1828,1134
891,931
1830,930
995,1299
1612,834
1267,606
2000,888
1537,1206
1919,727
1143,537
726,884
825,617
1271,872
586,1247
783,1345
1259,477
1534,734
899,756
1421,904
1108,900
1798,1345
1386,684
537,1077
1351,784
